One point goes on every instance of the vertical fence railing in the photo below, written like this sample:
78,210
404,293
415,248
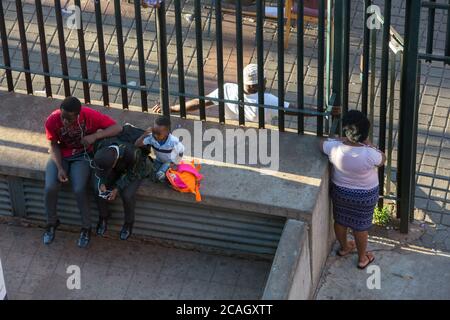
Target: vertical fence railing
180,57
101,52
260,59
5,50
83,61
24,46
320,66
240,62
62,47
43,45
219,56
162,58
199,50
300,67
280,42
406,155
141,57
121,53
365,60
384,91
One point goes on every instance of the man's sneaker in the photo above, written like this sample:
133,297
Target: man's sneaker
126,231
85,236
102,226
49,234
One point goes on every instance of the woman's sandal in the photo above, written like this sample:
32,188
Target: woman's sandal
338,251
371,259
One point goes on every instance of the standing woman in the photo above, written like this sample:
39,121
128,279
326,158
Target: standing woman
354,184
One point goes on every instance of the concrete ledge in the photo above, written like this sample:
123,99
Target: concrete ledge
290,275
291,191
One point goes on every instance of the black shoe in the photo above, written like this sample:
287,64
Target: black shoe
85,236
126,231
102,226
49,234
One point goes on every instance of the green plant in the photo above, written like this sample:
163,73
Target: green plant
382,216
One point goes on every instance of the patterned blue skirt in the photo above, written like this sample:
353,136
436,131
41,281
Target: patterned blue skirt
354,208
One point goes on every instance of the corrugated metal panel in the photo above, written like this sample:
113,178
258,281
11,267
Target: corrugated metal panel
242,231
5,198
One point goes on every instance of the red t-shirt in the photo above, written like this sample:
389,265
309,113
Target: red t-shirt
69,139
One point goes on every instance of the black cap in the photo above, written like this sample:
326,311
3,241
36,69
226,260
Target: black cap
104,160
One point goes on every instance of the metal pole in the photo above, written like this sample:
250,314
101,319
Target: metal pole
430,30
260,60
140,51
337,56
384,91
5,49
373,63
320,66
280,27
83,61
101,51
180,58
300,67
43,45
240,62
121,54
406,155
199,43
345,55
219,51
162,58
365,60
23,43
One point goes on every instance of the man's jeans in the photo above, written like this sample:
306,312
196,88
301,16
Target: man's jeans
128,195
78,171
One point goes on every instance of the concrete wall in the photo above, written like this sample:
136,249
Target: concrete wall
290,275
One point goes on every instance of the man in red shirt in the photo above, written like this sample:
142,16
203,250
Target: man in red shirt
72,130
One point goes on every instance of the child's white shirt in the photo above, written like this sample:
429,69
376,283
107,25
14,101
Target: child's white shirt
171,150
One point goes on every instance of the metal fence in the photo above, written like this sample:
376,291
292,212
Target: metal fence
333,43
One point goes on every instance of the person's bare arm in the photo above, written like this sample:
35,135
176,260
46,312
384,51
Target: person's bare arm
191,105
55,155
293,111
111,131
140,141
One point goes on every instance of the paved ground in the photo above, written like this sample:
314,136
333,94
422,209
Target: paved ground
114,269
407,271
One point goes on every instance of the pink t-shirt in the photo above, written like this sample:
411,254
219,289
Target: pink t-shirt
353,167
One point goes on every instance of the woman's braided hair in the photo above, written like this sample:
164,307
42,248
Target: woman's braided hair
355,126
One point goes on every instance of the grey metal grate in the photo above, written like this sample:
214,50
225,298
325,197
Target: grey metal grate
5,198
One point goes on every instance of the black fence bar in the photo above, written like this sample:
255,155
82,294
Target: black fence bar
301,65
345,55
62,46
83,61
320,66
219,56
5,49
433,4
365,60
384,91
43,45
240,62
101,51
180,57
120,52
162,58
430,29
447,38
260,59
280,26
406,157
199,44
432,57
414,135
141,58
23,42
390,140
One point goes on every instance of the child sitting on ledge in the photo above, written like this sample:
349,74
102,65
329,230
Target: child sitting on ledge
168,149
